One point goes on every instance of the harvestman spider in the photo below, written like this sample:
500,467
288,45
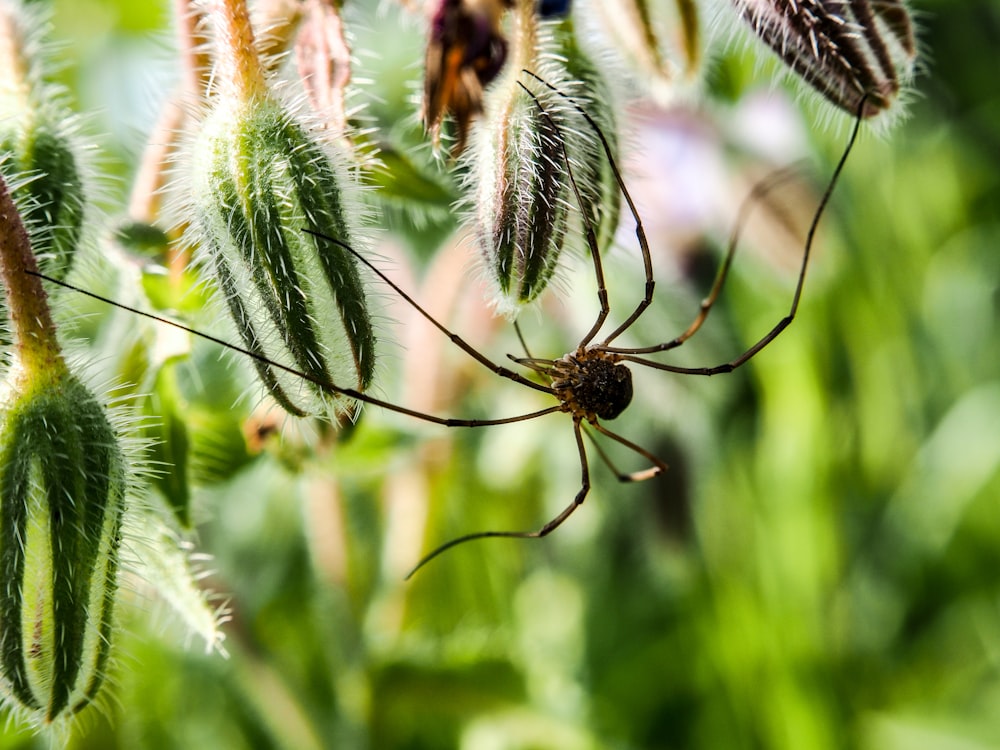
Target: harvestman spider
591,383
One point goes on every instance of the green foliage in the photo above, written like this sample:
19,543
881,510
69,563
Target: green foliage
817,570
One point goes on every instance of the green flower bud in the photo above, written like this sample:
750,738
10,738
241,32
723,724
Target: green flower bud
600,197
259,178
522,209
526,204
38,150
62,489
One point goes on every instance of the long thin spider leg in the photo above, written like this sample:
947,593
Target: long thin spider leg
634,476
658,466
785,321
326,386
524,343
588,227
640,232
547,529
453,337
541,366
759,191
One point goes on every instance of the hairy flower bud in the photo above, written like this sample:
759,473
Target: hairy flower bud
523,207
636,28
259,178
38,152
63,480
62,489
599,195
845,49
541,173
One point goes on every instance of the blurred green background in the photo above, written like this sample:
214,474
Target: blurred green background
819,568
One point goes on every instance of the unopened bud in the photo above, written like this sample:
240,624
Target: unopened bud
522,208
599,195
38,151
540,169
62,489
846,50
259,178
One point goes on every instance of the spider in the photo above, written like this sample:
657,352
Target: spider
591,383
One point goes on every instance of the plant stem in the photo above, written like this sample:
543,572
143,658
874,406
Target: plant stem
27,303
239,68
15,90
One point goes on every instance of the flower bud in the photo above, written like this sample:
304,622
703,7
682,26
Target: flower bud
529,198
637,29
62,489
845,49
258,180
38,152
523,203
599,195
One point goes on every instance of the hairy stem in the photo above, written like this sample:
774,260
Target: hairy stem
27,304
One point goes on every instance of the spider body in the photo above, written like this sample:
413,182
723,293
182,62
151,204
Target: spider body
591,384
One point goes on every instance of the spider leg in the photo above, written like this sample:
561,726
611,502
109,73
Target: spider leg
635,476
758,193
545,530
524,343
326,386
657,468
453,337
640,232
781,325
541,366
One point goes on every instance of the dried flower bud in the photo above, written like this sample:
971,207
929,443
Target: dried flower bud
38,153
258,179
323,58
465,52
845,49
62,489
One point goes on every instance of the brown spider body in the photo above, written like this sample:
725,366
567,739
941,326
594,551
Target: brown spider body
590,384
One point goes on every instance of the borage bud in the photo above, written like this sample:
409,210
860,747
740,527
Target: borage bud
526,196
523,205
62,489
38,150
845,49
636,29
599,194
259,179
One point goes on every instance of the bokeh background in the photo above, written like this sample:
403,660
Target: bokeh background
817,570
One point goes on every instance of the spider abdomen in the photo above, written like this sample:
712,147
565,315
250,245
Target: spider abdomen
592,383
